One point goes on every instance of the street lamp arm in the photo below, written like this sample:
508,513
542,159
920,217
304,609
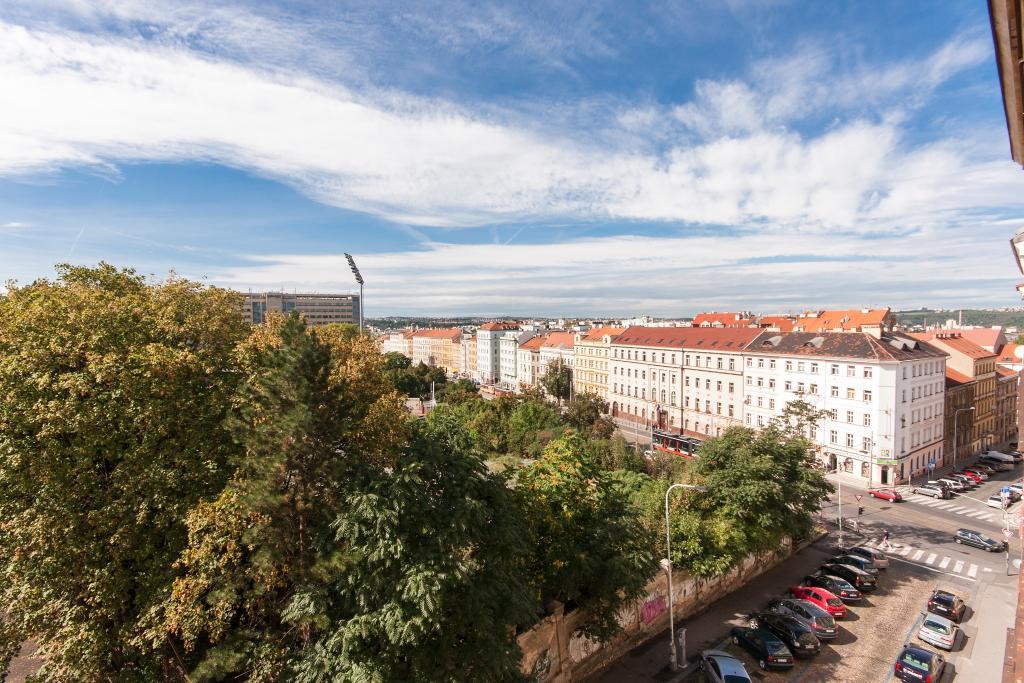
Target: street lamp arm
668,568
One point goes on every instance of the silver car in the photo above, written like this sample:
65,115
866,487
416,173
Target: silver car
939,631
880,559
722,667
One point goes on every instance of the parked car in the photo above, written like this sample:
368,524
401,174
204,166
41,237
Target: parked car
955,484
976,471
722,667
797,636
835,585
983,467
941,485
997,456
947,604
824,599
967,481
880,559
857,561
891,495
931,490
938,631
919,665
978,540
997,465
764,646
976,477
996,501
820,621
1017,487
860,579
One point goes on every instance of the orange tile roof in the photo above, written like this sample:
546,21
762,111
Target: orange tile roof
560,340
780,322
982,336
709,338
597,333
453,334
499,326
953,377
956,343
1008,354
850,320
724,319
1006,372
533,343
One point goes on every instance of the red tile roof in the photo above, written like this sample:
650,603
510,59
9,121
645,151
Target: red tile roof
1006,372
713,319
1008,354
779,322
709,338
561,340
597,333
956,343
499,326
454,334
848,320
954,378
844,345
986,337
533,343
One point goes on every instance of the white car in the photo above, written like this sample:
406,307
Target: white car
1018,487
939,631
995,501
952,483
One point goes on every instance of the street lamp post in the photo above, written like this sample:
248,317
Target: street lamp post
359,279
668,567
956,436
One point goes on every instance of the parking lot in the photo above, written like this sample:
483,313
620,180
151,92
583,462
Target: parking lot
872,634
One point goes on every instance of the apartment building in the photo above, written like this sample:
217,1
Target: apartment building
398,342
469,366
556,345
1007,401
488,349
438,348
508,347
316,309
725,319
884,397
592,350
528,362
680,379
875,321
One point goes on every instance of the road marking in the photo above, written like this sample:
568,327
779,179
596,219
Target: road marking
917,555
957,509
945,562
931,558
905,551
933,569
959,566
973,571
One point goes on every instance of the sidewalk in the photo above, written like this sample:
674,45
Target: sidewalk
649,662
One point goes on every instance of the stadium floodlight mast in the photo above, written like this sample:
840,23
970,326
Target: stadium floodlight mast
359,279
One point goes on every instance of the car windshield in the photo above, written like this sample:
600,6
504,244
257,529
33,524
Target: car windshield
834,602
912,659
943,599
987,540
826,620
775,647
933,625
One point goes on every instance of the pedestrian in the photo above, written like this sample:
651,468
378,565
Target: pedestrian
885,540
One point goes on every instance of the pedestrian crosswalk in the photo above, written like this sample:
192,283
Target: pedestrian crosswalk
928,558
973,512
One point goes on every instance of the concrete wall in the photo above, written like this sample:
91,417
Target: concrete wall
554,653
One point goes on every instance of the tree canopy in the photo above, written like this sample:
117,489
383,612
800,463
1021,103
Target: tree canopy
557,379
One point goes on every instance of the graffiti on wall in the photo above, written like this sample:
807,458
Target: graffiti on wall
652,608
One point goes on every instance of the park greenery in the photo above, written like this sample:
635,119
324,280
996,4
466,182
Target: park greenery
187,497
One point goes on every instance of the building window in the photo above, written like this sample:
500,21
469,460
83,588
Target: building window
771,364
730,410
750,380
771,403
813,390
686,359
814,367
866,445
673,398
760,401
771,382
851,371
686,381
849,416
732,387
849,440
760,421
732,363
707,384
833,436
747,420
814,432
789,366
851,393
750,362
718,386
867,373
835,392
867,395
867,419
835,369
799,367
719,364
760,381
789,386
718,408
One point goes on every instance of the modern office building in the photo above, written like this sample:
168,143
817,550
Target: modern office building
316,309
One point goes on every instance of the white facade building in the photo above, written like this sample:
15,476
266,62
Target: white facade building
508,346
884,398
488,350
556,345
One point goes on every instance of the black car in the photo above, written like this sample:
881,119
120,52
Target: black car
797,636
919,665
947,605
839,587
821,622
862,563
979,540
764,646
860,579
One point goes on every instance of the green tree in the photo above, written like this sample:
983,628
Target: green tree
396,361
587,414
557,380
761,487
113,392
589,548
461,391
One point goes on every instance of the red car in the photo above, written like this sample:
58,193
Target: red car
886,494
822,598
971,475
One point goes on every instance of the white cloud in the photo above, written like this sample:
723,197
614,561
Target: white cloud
14,225
76,101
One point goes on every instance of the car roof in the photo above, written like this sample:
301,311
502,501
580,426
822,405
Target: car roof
939,618
919,651
938,592
729,664
968,531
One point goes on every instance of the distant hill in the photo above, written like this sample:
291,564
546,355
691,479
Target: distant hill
971,316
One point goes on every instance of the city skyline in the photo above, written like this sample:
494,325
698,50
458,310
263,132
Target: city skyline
508,159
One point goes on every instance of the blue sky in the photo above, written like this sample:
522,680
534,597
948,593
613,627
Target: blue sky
513,158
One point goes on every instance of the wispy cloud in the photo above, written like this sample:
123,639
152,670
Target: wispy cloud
14,225
77,101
